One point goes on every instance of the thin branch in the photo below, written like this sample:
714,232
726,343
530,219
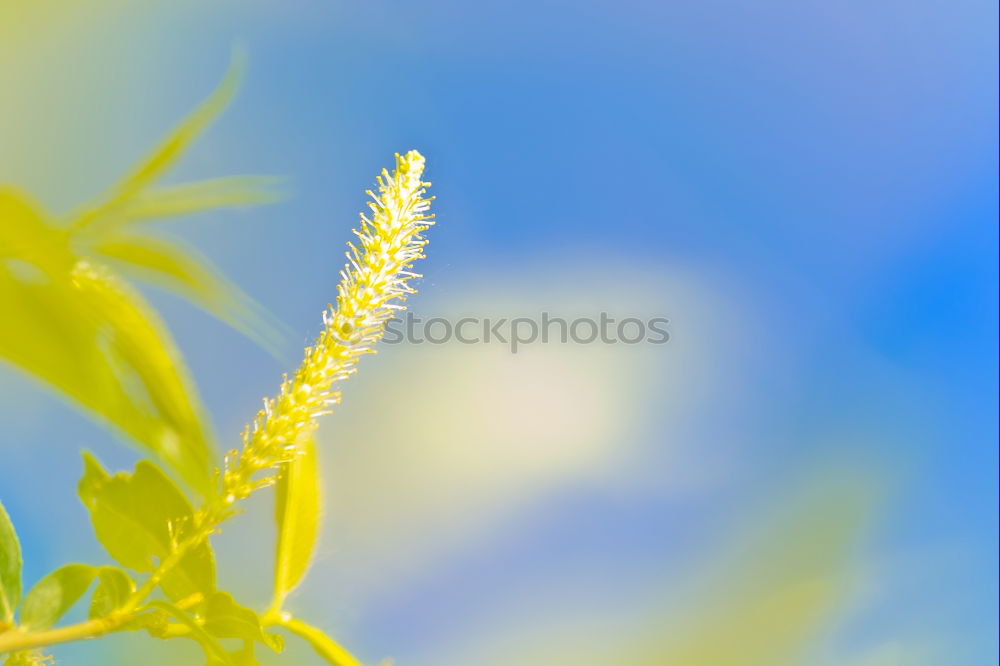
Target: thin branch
17,639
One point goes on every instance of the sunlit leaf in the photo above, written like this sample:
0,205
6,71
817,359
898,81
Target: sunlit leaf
182,270
55,594
72,325
224,618
70,322
10,569
178,200
139,517
325,647
113,589
165,155
28,235
298,503
150,369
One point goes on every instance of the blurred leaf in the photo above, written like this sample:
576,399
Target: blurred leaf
177,200
53,595
10,569
114,587
225,618
165,155
149,368
298,503
98,228
72,325
325,647
27,234
183,271
139,517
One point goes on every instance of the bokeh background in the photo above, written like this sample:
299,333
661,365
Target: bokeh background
808,190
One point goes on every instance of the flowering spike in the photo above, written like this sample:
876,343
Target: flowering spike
373,284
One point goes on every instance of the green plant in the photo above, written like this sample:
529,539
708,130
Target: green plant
116,360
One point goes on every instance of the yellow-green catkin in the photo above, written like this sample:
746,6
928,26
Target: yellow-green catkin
373,285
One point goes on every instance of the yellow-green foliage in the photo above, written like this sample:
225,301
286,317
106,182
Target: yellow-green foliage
74,323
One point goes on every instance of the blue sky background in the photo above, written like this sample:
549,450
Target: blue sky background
813,184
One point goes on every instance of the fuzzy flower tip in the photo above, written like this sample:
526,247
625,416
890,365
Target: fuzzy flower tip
373,285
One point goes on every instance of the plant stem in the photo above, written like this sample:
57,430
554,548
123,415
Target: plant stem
17,639
331,651
211,516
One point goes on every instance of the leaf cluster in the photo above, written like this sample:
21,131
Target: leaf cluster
74,322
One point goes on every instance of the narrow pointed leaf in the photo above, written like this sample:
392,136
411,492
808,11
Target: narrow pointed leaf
27,234
55,594
51,332
166,154
148,365
298,503
182,270
10,569
188,198
73,325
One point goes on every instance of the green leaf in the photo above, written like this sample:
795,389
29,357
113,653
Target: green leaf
225,618
185,272
53,595
298,503
230,192
72,324
150,369
139,518
165,155
325,647
114,587
10,569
